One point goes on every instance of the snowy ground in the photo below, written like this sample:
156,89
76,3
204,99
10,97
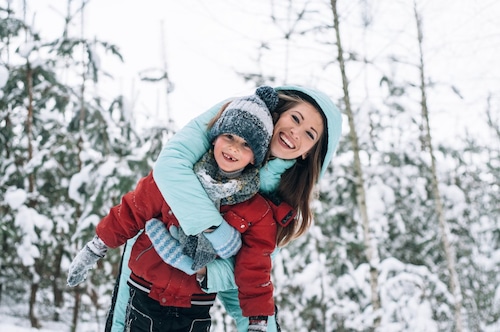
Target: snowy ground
15,319
22,324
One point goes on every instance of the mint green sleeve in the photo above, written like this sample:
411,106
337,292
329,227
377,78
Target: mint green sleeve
220,274
270,174
229,300
174,175
220,280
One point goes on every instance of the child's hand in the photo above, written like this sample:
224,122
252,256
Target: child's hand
85,260
210,230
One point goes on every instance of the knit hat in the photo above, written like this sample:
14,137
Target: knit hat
250,118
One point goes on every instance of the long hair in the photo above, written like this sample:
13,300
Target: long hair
213,120
297,183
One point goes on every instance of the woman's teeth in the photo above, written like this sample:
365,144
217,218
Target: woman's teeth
287,142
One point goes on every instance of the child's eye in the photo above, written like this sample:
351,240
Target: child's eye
229,136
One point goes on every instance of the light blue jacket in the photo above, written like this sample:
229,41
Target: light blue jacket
174,175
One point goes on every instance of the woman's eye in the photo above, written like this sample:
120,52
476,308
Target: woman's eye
311,135
295,118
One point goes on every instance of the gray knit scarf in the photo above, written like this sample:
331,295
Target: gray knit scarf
223,189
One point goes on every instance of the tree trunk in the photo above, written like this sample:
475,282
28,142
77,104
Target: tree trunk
76,310
78,209
454,283
31,189
371,252
33,319
57,291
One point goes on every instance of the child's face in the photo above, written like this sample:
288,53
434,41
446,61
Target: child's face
296,131
232,152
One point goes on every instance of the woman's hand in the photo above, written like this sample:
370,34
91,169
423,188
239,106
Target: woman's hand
202,271
226,240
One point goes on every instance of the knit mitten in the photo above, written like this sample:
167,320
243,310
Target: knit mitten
257,324
225,239
167,247
195,246
85,260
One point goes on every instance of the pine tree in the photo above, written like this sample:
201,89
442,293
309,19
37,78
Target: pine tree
68,155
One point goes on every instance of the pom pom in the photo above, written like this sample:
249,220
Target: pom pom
269,96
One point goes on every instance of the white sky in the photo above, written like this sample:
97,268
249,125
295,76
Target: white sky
206,41
202,43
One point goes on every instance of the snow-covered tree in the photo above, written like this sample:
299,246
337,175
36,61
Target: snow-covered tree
68,155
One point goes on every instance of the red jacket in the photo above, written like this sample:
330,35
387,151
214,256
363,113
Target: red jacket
254,218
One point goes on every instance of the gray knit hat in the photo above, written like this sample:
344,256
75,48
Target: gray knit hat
250,118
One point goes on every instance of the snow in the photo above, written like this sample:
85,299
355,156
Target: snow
28,219
25,49
76,182
12,323
15,197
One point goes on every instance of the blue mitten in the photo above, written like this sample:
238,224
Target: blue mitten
167,247
225,239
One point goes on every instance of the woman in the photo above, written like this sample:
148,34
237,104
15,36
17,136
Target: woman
306,134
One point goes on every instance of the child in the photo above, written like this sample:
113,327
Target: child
163,295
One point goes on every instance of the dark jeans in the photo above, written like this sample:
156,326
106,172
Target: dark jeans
147,315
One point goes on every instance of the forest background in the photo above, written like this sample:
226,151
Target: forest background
406,234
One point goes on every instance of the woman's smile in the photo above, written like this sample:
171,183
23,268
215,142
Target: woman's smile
286,141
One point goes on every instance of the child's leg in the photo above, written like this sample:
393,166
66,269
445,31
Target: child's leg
145,314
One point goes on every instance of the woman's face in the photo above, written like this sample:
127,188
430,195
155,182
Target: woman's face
298,129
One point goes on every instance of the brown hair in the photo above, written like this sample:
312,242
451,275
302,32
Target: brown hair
297,183
217,116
